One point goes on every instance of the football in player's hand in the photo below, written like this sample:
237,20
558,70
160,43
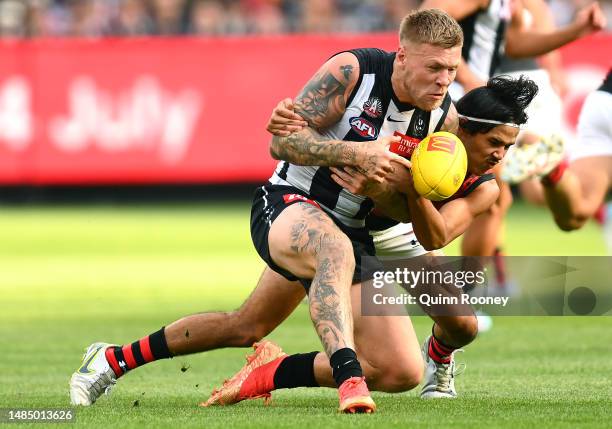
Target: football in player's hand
439,165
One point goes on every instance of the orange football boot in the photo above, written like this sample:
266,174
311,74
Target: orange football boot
355,396
254,380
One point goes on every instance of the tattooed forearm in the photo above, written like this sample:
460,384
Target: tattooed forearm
308,147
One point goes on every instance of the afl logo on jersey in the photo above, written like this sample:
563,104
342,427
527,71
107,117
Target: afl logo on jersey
364,128
373,107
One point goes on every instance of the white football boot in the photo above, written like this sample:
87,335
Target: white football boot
439,379
525,161
93,378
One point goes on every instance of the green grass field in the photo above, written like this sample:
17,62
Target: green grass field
72,276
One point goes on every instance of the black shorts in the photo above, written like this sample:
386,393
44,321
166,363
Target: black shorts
270,201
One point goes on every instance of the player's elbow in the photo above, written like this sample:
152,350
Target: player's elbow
433,243
403,217
274,148
514,50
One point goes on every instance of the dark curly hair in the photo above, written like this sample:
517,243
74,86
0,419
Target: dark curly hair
502,99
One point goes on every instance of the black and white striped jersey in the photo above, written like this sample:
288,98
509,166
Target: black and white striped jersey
484,34
372,111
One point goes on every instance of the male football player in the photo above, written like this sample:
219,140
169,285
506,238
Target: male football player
307,227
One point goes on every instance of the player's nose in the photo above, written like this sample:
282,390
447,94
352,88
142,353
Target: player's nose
444,78
497,155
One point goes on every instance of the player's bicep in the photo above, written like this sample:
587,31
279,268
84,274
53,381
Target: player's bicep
459,214
323,100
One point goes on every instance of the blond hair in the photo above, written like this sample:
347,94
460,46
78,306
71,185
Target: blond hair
432,26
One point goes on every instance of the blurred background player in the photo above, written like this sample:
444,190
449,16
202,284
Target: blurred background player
575,190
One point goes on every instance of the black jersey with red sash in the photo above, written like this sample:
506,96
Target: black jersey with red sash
471,182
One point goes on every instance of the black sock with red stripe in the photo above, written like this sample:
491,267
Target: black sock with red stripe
147,349
439,351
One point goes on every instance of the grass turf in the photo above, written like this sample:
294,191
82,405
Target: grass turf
71,276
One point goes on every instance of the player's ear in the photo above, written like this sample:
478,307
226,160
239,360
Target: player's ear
401,54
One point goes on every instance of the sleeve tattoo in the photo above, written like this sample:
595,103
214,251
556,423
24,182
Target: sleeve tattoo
321,103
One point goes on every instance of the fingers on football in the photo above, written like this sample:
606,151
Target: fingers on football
401,160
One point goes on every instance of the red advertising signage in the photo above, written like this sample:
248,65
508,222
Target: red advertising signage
156,110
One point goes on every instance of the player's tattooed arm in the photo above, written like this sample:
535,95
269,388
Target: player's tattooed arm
451,122
321,103
323,99
308,147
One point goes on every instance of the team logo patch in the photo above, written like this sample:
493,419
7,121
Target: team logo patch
442,144
419,127
364,128
294,198
373,107
406,146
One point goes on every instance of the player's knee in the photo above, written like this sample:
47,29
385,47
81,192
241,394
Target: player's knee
246,330
463,330
254,333
572,223
401,376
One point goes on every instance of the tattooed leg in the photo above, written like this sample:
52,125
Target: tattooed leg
330,306
305,241
386,346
